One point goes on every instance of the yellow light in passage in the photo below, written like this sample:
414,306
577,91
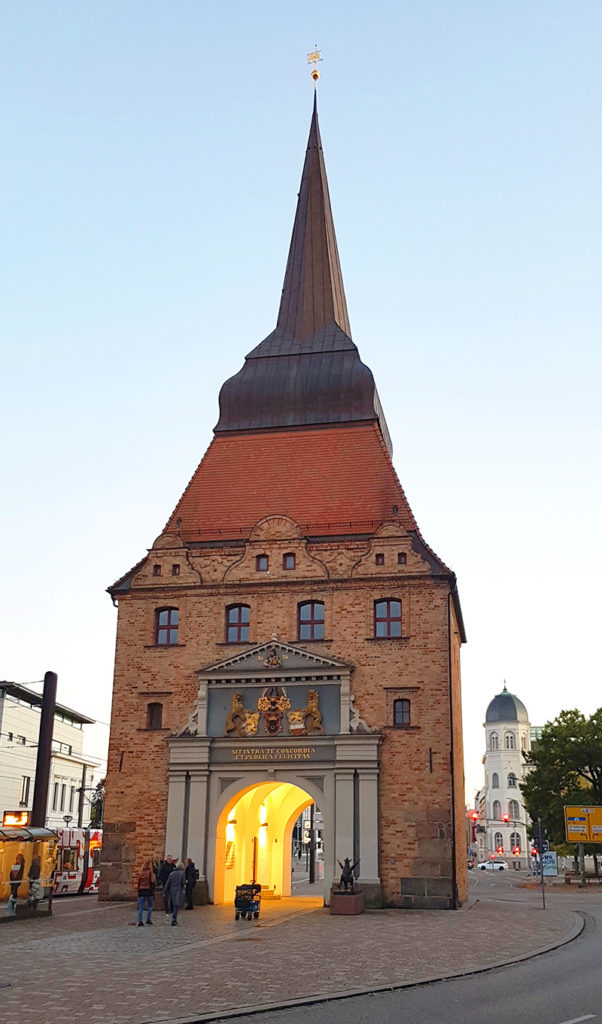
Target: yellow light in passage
230,828
263,824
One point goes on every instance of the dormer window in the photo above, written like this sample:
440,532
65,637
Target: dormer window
288,561
261,563
156,570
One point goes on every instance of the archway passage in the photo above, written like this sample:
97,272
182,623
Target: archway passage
254,839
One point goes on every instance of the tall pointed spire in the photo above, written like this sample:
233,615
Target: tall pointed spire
307,371
313,295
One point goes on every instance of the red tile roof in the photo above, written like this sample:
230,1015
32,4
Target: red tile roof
331,480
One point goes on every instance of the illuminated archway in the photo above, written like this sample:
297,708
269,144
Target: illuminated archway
254,838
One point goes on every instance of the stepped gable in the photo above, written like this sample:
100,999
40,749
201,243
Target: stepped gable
308,370
334,480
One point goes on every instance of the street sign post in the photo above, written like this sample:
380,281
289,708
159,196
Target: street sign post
583,824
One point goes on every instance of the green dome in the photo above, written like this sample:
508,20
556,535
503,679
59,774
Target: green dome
505,707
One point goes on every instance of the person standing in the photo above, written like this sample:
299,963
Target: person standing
190,874
16,875
33,875
146,892
165,871
174,888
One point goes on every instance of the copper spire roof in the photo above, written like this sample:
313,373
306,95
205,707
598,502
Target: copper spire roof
308,370
313,295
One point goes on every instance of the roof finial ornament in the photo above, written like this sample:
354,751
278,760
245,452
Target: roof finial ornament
314,58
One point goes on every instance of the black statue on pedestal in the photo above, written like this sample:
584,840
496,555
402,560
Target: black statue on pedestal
347,881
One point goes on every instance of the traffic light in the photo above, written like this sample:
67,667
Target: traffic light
534,851
516,850
500,849
475,815
505,817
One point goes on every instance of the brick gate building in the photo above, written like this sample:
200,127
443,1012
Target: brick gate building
290,637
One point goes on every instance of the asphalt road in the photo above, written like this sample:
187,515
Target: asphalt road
560,987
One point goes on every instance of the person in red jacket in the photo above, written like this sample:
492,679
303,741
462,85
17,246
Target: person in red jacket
146,892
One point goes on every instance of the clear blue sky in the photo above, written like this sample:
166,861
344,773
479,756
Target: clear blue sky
152,156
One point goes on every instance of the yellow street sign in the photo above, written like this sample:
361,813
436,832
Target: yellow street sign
583,824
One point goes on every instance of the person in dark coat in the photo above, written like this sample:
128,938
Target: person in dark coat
174,888
190,874
34,879
167,866
16,875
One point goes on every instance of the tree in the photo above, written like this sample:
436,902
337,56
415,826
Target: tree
97,801
565,768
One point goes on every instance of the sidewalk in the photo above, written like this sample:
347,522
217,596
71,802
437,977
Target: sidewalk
89,964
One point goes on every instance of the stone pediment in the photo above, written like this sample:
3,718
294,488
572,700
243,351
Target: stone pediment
274,657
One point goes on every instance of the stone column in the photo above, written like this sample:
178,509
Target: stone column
343,803
368,824
175,811
197,819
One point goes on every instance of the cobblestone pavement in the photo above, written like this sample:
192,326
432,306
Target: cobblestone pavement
89,963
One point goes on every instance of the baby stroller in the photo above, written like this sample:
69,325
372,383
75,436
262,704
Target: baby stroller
247,901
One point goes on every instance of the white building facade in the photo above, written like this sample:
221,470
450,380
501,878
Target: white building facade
501,828
20,713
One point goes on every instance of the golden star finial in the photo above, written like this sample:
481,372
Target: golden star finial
313,58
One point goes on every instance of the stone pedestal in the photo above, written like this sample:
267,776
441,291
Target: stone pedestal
346,902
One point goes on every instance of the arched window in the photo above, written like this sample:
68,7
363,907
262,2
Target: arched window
515,842
401,713
493,741
154,715
311,620
237,623
497,809
512,780
498,842
495,781
510,741
513,810
166,626
387,618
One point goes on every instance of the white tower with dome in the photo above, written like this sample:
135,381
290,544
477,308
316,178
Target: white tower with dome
502,814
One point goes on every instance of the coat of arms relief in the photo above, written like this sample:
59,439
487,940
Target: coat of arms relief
274,705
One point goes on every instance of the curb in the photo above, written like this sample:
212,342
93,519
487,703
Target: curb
577,926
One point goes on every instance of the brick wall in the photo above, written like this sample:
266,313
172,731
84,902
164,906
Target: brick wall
417,790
